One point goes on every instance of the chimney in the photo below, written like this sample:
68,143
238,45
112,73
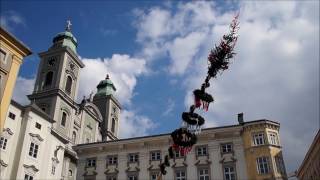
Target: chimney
240,118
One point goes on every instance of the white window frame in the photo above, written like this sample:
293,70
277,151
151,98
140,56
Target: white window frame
273,138
263,165
180,177
91,162
133,176
202,150
154,175
231,174
177,154
3,143
133,157
155,155
34,150
258,139
28,177
4,61
112,160
205,175
12,114
226,149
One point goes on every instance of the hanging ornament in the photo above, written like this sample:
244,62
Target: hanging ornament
193,122
202,98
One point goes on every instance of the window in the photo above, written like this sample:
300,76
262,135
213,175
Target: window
53,169
178,154
258,139
226,148
112,160
229,173
91,162
3,143
12,116
201,151
203,174
155,155
68,85
3,56
111,177
280,164
33,150
263,165
74,136
154,175
28,177
38,126
132,177
133,158
70,173
48,79
180,175
273,138
113,125
64,119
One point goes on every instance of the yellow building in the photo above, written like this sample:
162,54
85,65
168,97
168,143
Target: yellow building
310,166
263,150
12,51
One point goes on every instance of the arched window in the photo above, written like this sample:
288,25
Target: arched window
113,125
70,173
48,79
69,85
74,136
64,119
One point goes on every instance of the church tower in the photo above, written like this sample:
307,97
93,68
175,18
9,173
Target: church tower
109,108
57,81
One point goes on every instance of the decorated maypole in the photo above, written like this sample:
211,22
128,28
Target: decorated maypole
218,60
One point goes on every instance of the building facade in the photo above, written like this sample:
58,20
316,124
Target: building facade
37,139
12,51
55,137
310,166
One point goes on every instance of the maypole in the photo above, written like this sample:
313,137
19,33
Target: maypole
218,60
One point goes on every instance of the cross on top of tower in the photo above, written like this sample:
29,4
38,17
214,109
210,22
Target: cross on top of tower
68,27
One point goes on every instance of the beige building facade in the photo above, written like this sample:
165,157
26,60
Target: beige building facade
12,52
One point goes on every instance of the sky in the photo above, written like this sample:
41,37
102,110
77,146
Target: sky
156,54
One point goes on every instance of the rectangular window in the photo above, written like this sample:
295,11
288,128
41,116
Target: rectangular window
133,177
12,116
33,150
112,160
180,175
38,126
3,143
226,148
258,139
229,173
263,165
201,150
154,175
203,174
155,155
53,169
91,162
3,56
280,164
133,158
111,177
273,138
28,177
178,154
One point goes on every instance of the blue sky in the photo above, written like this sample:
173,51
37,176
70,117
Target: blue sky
155,52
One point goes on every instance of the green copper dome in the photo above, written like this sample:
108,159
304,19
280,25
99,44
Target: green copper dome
105,87
66,39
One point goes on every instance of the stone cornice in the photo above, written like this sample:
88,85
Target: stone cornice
31,167
2,163
36,136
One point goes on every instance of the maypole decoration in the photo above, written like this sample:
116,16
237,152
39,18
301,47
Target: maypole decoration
218,60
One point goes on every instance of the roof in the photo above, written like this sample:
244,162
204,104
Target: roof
24,48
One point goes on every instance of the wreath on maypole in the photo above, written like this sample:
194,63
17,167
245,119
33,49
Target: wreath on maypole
218,60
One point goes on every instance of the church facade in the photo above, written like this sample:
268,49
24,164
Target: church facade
55,137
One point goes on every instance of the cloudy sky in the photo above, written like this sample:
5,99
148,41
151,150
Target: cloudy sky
155,53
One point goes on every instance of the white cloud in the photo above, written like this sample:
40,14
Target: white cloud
170,107
11,19
23,87
133,125
123,71
275,74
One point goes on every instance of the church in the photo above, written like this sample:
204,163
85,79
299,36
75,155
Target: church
56,137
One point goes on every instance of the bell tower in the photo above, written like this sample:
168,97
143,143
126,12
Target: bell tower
109,107
56,85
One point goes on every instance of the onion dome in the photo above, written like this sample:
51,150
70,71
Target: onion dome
66,39
105,87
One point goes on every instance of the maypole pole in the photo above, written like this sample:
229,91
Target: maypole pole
218,60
